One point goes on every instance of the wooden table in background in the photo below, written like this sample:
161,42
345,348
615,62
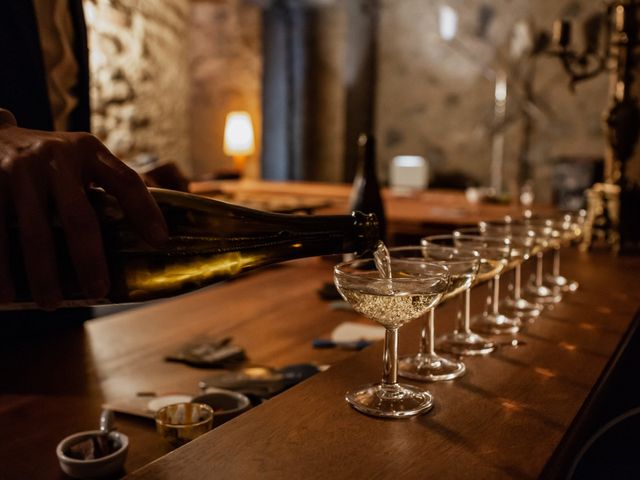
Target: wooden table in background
503,419
425,212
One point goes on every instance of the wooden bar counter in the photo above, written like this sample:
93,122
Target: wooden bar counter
514,414
417,213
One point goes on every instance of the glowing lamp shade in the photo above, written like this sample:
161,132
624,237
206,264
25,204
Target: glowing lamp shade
238,135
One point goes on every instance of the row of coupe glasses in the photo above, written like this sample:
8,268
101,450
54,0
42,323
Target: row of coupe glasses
407,283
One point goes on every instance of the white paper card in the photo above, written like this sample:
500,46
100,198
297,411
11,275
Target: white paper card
352,332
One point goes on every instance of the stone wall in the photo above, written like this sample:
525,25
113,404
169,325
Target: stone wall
434,98
166,72
225,64
140,76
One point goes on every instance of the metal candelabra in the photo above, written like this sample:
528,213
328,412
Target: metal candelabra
612,205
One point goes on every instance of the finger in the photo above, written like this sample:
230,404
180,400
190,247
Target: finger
36,237
7,292
136,201
82,231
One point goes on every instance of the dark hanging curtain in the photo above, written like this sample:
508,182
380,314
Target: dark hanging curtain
291,110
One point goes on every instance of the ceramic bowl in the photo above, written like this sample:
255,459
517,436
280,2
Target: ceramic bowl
99,467
226,404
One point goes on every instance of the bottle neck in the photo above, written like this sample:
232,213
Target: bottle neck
328,234
365,194
367,159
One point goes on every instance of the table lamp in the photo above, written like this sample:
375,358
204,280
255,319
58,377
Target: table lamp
238,138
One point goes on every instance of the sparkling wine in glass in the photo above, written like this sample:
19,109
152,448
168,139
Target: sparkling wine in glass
463,265
398,296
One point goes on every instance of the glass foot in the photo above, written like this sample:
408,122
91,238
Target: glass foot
522,307
496,324
543,294
430,368
563,283
390,401
465,343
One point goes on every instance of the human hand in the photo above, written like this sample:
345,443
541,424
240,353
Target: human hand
39,169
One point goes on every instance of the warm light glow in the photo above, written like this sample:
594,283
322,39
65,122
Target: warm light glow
568,346
448,22
238,135
545,372
510,404
199,271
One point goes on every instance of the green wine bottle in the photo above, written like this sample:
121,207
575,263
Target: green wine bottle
209,241
365,193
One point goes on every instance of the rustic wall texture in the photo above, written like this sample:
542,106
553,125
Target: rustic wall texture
166,72
140,77
434,100
225,66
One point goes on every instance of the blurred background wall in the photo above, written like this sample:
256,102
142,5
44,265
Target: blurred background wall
166,73
225,69
435,100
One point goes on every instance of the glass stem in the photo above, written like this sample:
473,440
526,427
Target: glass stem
488,302
424,338
556,262
496,294
517,282
432,330
539,260
466,316
462,320
390,358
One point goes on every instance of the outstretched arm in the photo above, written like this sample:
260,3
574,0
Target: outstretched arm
43,169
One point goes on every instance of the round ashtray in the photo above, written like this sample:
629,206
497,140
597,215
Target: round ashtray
226,404
92,467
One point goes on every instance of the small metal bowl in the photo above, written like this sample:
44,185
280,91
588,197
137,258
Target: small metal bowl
180,423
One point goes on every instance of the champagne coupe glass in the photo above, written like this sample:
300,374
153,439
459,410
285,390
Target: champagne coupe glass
463,265
570,230
496,251
523,244
392,301
547,237
463,341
